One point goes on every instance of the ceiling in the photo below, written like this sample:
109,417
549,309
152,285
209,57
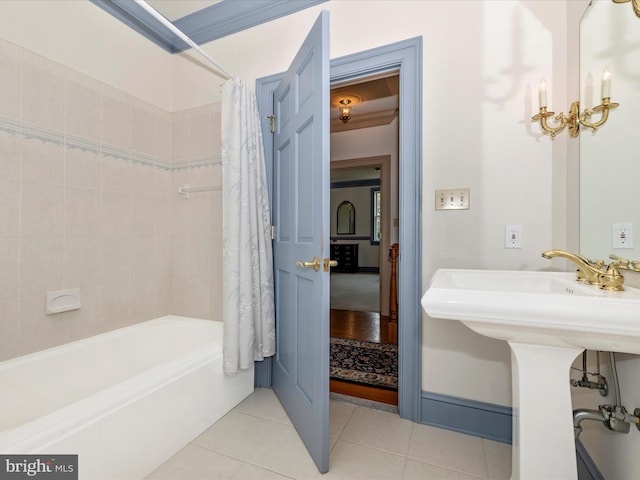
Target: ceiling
374,101
201,20
175,9
354,174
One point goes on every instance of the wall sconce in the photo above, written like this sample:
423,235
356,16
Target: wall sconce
345,110
575,119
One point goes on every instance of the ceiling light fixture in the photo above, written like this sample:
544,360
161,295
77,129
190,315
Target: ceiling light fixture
345,110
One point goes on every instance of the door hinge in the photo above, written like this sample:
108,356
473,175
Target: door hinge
272,122
273,232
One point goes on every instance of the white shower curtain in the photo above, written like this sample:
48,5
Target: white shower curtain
248,305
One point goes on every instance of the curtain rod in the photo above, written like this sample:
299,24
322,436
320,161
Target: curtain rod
153,12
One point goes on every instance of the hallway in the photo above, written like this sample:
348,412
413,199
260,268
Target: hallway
368,327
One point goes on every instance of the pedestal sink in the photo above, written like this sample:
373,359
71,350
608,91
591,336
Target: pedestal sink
548,319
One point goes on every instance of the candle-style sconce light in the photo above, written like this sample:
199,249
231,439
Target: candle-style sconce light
575,118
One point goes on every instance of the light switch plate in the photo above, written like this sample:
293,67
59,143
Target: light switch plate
452,199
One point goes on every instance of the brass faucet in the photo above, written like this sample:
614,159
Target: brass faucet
594,273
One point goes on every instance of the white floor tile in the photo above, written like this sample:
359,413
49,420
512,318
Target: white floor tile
263,403
498,457
194,462
415,470
349,461
251,472
339,414
264,443
448,449
376,429
256,441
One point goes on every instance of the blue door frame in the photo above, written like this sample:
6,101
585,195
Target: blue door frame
404,57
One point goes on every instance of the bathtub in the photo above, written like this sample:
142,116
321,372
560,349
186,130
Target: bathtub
124,401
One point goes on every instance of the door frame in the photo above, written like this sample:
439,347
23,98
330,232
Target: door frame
406,58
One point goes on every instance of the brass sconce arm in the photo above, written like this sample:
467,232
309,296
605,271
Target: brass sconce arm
571,121
604,107
574,119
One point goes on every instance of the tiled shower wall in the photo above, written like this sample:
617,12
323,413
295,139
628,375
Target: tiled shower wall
88,199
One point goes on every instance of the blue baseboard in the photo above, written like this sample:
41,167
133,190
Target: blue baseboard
587,469
489,421
480,419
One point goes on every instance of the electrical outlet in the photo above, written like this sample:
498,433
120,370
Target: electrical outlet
452,199
622,235
513,236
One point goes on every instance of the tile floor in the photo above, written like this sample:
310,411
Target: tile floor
256,441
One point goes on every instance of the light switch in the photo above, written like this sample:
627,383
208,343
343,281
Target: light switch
452,199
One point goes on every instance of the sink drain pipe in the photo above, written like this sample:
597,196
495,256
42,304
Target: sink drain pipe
614,417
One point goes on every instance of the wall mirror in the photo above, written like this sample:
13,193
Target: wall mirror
610,157
346,219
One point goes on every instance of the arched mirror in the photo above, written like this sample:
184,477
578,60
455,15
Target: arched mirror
346,219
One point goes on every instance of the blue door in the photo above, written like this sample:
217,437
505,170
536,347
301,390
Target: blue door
301,244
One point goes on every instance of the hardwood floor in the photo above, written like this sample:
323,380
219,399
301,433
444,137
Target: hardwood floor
369,327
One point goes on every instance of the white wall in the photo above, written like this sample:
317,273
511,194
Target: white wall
85,38
482,61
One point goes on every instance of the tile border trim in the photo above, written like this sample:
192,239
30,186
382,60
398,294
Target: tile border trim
34,132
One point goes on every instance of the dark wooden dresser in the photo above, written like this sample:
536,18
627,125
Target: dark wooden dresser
346,254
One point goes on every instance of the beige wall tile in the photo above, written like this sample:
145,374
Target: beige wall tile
83,106
81,212
42,161
43,92
10,79
81,262
10,328
113,307
82,169
42,210
10,268
37,329
9,155
40,266
9,207
115,214
115,261
116,119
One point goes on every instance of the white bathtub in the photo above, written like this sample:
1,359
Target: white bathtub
124,401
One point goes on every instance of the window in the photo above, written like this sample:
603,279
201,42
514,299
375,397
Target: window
376,231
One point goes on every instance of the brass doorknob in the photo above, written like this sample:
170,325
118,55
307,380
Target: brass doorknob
326,263
315,263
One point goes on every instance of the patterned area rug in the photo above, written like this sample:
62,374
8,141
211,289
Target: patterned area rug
374,364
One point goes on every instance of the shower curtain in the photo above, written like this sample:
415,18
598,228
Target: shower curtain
248,304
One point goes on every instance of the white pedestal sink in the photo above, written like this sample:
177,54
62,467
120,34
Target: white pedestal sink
548,319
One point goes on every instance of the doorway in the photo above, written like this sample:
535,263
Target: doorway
406,58
363,204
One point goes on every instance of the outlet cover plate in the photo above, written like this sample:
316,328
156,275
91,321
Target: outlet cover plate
452,199
513,236
622,235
